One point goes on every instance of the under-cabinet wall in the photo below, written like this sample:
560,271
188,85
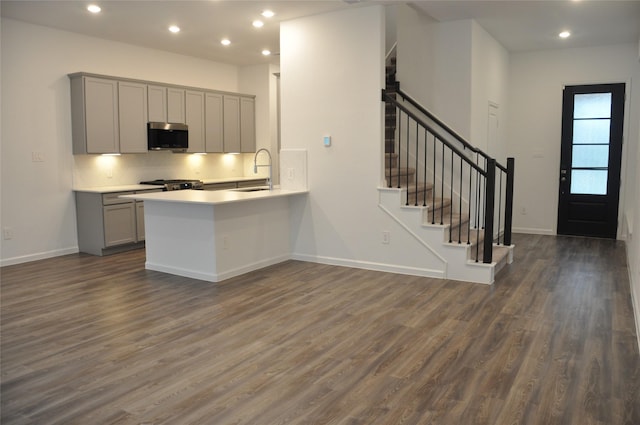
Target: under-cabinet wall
110,115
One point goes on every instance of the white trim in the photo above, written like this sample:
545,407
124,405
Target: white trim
635,298
370,265
533,231
416,237
38,256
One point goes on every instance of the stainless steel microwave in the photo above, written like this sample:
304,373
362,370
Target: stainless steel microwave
167,136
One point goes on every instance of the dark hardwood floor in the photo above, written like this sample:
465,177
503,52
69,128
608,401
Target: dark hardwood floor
99,340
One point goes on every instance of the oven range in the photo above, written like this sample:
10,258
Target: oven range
176,184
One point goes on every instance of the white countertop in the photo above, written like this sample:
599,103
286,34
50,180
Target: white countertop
212,197
137,187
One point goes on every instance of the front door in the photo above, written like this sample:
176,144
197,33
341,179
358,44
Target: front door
591,153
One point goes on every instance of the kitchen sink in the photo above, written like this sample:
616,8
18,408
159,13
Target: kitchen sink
250,189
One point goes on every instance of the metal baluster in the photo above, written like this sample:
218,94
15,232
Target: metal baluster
407,162
416,173
460,206
469,213
424,188
442,185
433,192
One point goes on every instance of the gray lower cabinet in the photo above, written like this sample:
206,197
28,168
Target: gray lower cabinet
119,224
140,220
107,223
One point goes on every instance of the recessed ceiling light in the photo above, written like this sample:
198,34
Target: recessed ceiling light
94,8
266,52
257,24
564,34
174,28
268,14
225,41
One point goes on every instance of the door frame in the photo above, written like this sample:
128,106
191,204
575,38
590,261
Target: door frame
623,150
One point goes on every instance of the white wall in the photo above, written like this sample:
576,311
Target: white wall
331,85
535,114
435,66
455,69
489,84
260,81
37,197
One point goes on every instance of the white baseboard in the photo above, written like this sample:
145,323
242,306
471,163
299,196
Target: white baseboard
369,265
635,298
533,231
38,256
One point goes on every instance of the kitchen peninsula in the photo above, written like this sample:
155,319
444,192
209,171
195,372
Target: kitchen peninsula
215,235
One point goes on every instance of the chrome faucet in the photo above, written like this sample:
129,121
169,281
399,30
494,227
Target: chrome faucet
255,165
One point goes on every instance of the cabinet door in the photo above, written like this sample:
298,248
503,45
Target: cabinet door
101,115
119,224
175,106
139,221
231,128
213,123
247,124
157,103
132,113
195,120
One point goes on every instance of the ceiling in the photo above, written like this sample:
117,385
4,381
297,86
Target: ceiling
518,25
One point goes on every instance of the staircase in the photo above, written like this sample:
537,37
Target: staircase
442,194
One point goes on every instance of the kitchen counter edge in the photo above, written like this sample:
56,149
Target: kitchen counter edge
217,197
139,187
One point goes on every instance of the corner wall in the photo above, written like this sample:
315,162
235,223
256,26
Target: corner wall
434,66
37,198
332,68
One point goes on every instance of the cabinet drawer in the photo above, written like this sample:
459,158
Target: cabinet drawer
112,198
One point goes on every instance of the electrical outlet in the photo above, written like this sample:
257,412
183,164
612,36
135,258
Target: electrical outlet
386,237
291,173
523,211
7,233
109,172
37,156
225,242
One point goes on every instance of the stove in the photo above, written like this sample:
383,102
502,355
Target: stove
176,184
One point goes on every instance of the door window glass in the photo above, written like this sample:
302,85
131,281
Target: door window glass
590,144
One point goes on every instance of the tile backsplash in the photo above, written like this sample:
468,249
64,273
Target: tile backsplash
107,170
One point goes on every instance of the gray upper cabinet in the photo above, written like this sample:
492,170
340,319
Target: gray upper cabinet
132,114
195,118
175,105
231,124
110,115
213,123
157,103
94,115
247,124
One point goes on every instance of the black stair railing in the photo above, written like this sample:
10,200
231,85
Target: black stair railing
476,185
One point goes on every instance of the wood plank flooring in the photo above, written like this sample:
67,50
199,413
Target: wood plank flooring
100,340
